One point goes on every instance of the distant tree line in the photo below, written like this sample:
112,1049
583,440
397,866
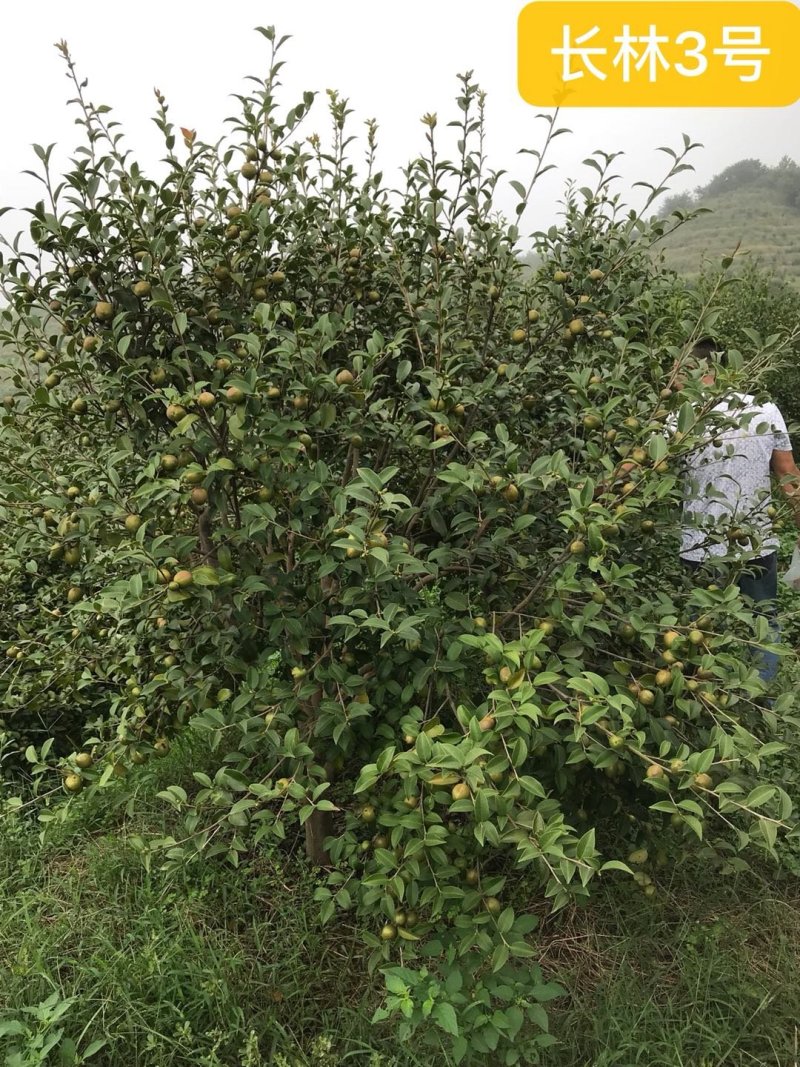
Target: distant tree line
782,181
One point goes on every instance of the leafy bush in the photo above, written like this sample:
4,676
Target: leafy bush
753,305
317,468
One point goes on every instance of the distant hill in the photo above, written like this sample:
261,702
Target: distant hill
750,203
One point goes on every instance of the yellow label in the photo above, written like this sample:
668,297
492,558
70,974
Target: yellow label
671,53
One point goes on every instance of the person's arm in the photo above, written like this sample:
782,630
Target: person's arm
785,470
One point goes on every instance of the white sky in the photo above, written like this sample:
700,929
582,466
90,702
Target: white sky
394,61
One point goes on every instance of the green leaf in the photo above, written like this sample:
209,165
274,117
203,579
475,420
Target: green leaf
205,576
444,1015
686,417
759,796
657,448
94,1047
395,984
500,957
12,1028
367,778
616,865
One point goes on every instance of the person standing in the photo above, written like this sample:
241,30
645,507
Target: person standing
727,491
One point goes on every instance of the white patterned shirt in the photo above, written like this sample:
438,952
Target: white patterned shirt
727,481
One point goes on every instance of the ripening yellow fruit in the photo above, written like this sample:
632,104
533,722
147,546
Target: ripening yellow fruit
175,412
460,791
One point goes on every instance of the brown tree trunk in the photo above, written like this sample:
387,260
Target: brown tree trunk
319,825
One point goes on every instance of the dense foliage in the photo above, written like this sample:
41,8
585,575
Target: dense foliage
754,305
315,467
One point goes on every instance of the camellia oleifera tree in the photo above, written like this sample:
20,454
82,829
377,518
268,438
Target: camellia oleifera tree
754,304
319,469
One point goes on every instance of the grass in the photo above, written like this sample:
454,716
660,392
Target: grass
707,977
224,967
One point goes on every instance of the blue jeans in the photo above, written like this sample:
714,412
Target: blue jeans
758,580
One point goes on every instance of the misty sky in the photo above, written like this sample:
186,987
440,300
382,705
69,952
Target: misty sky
394,61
